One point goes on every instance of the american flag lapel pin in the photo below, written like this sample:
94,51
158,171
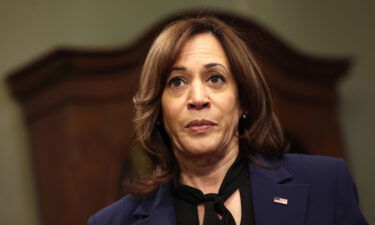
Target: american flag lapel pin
279,200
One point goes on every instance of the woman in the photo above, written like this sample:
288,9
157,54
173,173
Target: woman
204,116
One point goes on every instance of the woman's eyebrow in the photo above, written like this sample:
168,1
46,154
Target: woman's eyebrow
209,65
178,68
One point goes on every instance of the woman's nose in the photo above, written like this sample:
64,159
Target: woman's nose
198,98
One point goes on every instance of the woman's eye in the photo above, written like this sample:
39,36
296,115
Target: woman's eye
216,79
176,82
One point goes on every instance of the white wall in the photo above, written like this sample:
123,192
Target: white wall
30,28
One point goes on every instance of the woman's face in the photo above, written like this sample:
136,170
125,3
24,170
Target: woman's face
200,103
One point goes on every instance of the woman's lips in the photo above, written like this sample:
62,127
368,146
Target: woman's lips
199,126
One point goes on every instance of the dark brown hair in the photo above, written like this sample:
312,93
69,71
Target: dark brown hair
261,132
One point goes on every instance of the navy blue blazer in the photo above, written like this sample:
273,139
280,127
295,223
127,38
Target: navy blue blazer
319,190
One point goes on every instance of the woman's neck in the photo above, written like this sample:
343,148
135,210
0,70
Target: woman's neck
208,172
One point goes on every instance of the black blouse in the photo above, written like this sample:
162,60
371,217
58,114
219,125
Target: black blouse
188,215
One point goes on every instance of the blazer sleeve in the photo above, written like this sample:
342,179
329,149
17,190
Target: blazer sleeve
347,208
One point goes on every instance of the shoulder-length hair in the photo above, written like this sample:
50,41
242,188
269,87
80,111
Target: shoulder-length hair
261,131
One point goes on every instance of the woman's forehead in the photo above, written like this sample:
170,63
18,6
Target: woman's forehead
202,48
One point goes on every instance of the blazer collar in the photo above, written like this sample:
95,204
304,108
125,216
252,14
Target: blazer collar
276,182
266,184
272,169
158,209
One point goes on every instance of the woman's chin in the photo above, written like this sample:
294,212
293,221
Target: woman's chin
201,150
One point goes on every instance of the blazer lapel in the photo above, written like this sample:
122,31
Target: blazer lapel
268,184
158,210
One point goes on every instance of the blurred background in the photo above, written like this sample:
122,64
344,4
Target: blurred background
32,28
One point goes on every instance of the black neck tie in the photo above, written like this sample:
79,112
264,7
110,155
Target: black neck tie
214,203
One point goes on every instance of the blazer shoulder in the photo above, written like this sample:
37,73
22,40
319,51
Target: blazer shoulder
331,188
316,162
331,176
300,163
310,158
310,168
116,213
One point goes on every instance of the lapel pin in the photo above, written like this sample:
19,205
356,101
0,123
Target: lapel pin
282,201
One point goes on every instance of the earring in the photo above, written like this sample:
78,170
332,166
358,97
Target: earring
243,124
